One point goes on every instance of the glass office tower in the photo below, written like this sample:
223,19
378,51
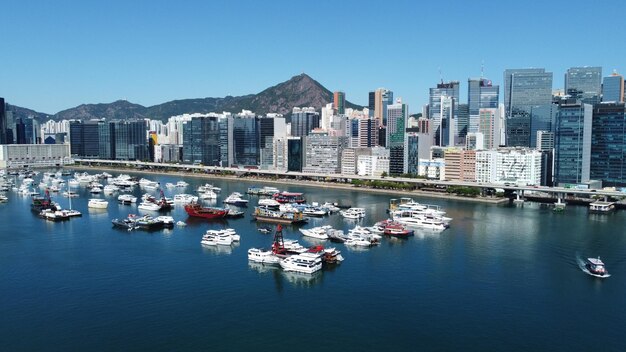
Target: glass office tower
608,144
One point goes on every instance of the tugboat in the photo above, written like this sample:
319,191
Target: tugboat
596,267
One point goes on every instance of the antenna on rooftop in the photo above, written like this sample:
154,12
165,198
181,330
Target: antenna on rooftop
440,75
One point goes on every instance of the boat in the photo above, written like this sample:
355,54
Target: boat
110,189
181,184
127,223
596,267
320,232
149,206
208,187
185,198
397,230
70,194
337,236
208,194
599,207
170,185
314,211
264,256
224,237
196,210
146,222
3,198
277,216
233,214
268,202
181,223
235,199
127,199
306,263
359,241
328,255
97,203
264,230
289,197
353,213
54,215
422,222
95,190
168,221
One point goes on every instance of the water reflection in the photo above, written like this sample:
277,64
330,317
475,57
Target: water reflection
219,249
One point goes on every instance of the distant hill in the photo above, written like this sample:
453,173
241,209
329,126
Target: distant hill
299,91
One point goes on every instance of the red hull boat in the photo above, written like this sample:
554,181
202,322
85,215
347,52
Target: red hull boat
195,209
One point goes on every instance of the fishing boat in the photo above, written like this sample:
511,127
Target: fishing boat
196,210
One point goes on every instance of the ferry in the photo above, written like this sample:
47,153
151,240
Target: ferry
289,197
269,215
196,210
596,267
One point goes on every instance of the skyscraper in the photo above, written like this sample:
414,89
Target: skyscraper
572,149
613,88
339,102
482,94
397,115
584,83
84,138
362,132
450,89
608,144
201,140
527,103
3,122
245,139
303,121
382,98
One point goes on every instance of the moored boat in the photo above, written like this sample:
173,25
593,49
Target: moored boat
277,216
265,256
196,210
97,203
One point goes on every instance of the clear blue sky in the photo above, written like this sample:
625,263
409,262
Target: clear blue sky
59,54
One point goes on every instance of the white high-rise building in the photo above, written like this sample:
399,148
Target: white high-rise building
509,165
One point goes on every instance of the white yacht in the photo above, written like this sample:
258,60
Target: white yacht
185,198
110,189
353,213
150,206
170,185
127,199
97,203
264,256
95,190
208,194
320,232
269,202
306,263
235,199
224,237
181,184
421,222
167,220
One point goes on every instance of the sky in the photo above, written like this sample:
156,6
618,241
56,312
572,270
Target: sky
59,54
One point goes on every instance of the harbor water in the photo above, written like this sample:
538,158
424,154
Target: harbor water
501,278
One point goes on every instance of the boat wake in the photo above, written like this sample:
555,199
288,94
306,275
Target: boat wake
581,264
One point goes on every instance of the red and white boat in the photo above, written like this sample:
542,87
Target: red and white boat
289,197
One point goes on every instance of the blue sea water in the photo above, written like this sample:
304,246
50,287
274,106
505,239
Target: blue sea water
502,278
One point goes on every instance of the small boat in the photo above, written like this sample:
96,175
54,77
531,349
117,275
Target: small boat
320,232
224,237
328,255
185,198
110,189
265,230
314,211
54,215
95,190
264,256
170,185
97,203
353,213
149,206
181,223
128,223
147,222
3,198
268,202
235,199
289,197
70,194
168,221
596,267
181,184
397,231
127,199
208,194
269,215
233,214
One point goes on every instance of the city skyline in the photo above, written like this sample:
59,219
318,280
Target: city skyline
150,54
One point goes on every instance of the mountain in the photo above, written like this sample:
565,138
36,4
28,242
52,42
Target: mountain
300,90
19,112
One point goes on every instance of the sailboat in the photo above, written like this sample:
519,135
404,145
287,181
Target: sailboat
71,212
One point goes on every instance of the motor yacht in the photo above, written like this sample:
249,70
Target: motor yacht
306,263
596,267
353,213
149,206
269,202
235,199
127,199
185,198
97,203
265,256
320,232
